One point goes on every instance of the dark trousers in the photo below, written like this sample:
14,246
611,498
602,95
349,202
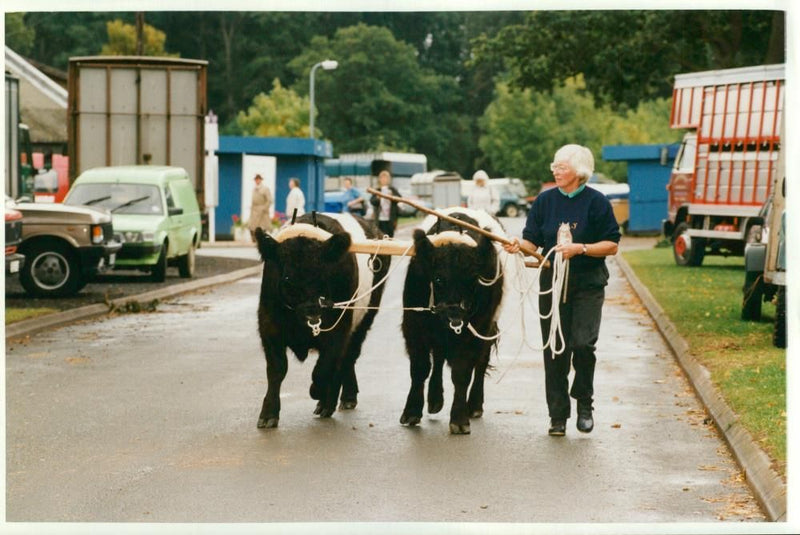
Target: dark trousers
580,323
386,228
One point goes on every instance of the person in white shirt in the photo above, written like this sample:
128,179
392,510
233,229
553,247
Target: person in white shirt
295,199
482,196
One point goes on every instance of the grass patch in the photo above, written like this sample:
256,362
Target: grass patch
14,315
705,304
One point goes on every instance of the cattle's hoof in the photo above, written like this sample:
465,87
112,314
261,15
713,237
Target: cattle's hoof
435,406
348,405
409,420
318,408
326,413
456,429
268,423
477,413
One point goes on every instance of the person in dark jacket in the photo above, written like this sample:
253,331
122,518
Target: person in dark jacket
594,235
385,210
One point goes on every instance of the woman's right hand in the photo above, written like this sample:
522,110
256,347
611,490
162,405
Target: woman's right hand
512,247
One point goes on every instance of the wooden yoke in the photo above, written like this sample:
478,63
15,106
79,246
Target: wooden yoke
525,249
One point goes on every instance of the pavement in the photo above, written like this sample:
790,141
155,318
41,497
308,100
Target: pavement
766,485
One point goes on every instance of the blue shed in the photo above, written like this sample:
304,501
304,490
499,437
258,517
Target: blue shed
649,168
276,159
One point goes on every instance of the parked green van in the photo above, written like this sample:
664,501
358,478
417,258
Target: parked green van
154,211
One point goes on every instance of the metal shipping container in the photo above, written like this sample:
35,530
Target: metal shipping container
133,110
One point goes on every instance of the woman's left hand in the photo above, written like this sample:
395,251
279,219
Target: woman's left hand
568,250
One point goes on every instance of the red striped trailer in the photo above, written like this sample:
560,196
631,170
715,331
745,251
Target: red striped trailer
726,167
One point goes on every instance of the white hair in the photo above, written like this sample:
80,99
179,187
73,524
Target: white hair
480,174
579,158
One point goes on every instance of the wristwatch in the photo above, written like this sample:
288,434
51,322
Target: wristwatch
584,248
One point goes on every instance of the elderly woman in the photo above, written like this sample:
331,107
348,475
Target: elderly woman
482,197
595,235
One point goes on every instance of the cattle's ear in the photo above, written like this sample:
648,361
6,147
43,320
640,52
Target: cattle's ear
267,246
423,248
486,251
336,246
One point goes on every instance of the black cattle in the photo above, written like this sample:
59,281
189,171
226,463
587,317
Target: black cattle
307,268
449,264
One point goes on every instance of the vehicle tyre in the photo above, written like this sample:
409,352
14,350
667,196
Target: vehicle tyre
687,251
779,331
511,210
51,269
752,295
158,273
186,263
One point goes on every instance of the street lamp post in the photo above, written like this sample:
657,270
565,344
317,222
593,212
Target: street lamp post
328,65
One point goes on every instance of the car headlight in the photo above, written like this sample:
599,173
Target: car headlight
132,236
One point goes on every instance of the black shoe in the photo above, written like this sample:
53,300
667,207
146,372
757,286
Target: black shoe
558,428
585,421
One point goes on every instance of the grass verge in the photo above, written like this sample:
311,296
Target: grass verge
704,303
18,314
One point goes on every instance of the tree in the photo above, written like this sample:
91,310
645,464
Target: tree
379,97
630,56
19,37
122,40
522,129
282,113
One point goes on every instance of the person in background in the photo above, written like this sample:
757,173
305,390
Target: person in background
295,199
595,235
354,198
385,210
259,207
482,196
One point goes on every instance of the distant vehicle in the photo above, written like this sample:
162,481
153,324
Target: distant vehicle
14,260
725,169
64,247
155,212
512,193
618,194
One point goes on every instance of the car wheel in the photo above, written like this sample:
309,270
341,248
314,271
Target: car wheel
186,263
687,251
51,269
158,273
511,210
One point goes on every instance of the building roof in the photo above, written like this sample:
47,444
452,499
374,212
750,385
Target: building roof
42,102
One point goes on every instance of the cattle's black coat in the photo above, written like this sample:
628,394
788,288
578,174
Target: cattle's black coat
451,272
302,278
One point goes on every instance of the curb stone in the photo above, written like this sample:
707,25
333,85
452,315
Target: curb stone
767,486
58,319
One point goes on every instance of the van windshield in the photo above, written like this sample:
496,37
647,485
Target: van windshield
138,199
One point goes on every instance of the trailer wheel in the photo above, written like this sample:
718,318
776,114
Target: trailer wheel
687,251
779,332
752,295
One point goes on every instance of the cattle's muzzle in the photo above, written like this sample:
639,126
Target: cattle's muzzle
455,314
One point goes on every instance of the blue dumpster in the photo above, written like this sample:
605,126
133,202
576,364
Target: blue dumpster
649,168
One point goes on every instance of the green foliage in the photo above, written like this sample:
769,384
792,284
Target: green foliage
14,315
19,36
705,303
282,113
379,97
523,129
122,40
629,56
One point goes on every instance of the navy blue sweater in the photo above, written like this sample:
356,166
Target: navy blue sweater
590,217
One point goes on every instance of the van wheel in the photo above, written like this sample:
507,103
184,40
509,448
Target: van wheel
752,295
511,210
186,263
158,273
779,332
51,269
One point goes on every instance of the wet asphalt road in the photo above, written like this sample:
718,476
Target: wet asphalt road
152,418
